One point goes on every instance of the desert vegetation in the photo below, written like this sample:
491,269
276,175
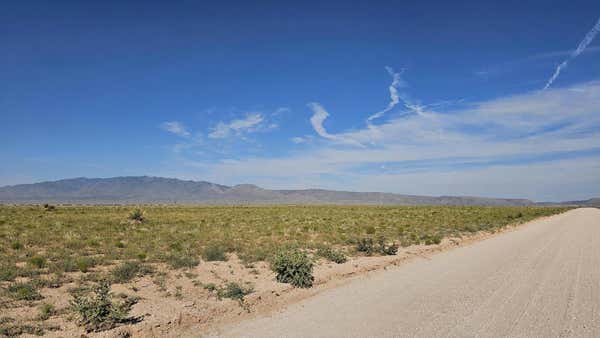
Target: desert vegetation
85,253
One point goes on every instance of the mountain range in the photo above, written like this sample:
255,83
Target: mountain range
159,190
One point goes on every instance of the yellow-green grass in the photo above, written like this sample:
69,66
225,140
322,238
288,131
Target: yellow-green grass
75,238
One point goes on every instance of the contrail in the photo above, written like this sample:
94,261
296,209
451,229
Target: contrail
394,96
582,46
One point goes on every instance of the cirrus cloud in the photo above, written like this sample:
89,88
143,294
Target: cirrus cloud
176,128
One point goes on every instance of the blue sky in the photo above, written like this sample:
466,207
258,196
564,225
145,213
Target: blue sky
432,97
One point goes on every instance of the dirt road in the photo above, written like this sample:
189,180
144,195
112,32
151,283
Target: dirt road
542,280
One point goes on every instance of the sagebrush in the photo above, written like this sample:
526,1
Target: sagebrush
100,312
293,266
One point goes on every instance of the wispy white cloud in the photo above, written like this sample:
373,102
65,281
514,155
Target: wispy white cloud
319,116
589,37
531,125
223,137
394,96
176,128
248,124
280,110
317,119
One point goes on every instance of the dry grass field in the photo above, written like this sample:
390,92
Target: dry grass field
70,269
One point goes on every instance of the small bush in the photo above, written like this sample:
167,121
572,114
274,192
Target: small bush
137,215
255,255
49,207
8,272
16,330
24,291
100,313
294,267
67,264
127,271
182,260
470,228
28,271
370,230
178,293
46,310
389,250
37,262
333,255
16,245
366,245
214,253
433,239
234,291
85,263
142,256
210,287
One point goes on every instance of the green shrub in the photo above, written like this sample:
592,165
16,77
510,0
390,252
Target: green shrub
293,266
85,263
366,245
23,291
389,250
234,291
470,228
49,207
28,271
210,287
16,245
333,255
182,260
370,230
433,239
6,320
37,261
66,264
16,330
255,255
127,271
142,256
8,272
137,215
101,312
46,310
214,253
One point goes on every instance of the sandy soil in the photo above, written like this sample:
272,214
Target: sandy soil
181,308
542,280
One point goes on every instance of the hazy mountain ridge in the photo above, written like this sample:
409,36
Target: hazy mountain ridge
145,189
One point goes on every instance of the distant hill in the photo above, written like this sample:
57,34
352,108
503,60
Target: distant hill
592,202
145,190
